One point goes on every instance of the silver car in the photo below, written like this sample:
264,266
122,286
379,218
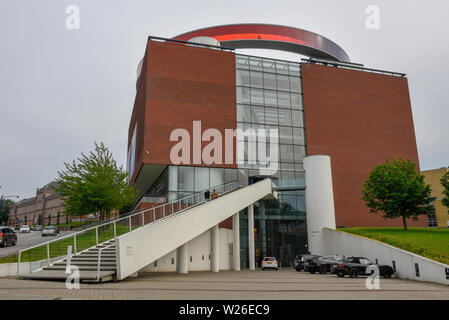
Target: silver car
25,228
50,231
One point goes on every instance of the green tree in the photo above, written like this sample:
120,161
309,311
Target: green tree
94,183
5,205
49,219
445,183
397,189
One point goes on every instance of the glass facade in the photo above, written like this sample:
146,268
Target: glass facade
269,96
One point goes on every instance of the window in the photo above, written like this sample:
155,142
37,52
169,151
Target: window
294,84
365,261
243,113
256,79
270,98
242,78
282,83
285,135
296,101
257,114
283,99
285,117
269,81
257,96
297,118
243,95
271,116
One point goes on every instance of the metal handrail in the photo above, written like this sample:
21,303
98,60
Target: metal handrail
200,194
99,259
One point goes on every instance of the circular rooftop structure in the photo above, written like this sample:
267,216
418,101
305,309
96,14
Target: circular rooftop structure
269,36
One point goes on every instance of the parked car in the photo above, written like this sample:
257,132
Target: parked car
298,262
321,264
269,263
355,266
25,228
50,231
7,236
38,228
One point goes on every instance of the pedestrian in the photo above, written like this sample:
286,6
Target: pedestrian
214,194
207,195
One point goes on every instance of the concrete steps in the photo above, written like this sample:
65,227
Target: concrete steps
87,263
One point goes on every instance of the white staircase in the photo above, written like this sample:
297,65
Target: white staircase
178,222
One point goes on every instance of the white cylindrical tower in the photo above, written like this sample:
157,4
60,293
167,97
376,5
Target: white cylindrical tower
205,40
319,200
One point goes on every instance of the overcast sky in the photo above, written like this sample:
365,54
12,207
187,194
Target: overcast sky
61,89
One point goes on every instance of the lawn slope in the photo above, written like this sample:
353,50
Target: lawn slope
431,243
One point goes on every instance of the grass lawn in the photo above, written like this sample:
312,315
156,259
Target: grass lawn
59,248
431,243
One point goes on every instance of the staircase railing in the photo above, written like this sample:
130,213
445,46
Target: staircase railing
43,254
99,259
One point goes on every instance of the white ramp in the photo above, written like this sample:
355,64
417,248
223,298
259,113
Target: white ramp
139,248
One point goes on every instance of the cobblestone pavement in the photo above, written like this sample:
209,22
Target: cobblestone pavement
283,284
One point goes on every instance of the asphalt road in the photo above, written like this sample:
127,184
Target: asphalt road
26,240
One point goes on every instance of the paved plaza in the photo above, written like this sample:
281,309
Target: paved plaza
284,284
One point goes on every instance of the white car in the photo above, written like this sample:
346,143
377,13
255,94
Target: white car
270,263
25,228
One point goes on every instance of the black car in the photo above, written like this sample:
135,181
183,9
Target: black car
321,264
7,236
355,266
298,262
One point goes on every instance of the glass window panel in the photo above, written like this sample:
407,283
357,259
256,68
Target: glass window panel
283,99
269,65
243,113
257,114
285,117
282,82
294,84
296,101
230,175
243,177
172,195
298,136
185,178
287,166
242,62
286,153
271,116
299,167
271,127
300,177
257,96
216,177
294,69
243,95
288,178
269,81
270,98
299,153
173,178
297,118
285,135
242,78
255,64
201,178
282,67
256,79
